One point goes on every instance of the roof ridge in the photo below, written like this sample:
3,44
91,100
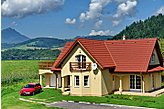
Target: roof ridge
109,53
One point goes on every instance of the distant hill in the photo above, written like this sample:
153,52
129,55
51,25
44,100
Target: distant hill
151,27
98,37
11,36
42,42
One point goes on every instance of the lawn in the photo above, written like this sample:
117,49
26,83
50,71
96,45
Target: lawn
10,98
27,71
51,95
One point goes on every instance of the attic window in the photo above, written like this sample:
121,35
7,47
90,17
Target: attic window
153,58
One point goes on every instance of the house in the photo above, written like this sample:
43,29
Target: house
94,68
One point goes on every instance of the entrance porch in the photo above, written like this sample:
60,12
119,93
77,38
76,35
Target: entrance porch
153,93
137,84
51,79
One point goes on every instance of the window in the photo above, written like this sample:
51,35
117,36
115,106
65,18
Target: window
86,80
153,58
77,81
81,59
135,82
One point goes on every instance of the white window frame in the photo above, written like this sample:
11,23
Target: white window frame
135,89
75,79
87,81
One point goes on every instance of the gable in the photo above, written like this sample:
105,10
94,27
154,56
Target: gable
154,58
71,57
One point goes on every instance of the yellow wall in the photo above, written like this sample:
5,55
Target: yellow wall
107,82
157,80
94,78
126,82
47,79
148,81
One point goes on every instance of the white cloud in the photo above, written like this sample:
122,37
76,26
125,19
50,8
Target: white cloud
101,33
70,21
95,10
22,8
161,10
124,9
98,23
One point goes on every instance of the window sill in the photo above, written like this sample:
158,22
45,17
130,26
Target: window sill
86,87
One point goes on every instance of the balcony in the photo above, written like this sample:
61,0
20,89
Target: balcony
80,66
45,65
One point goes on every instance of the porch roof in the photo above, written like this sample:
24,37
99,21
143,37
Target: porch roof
156,69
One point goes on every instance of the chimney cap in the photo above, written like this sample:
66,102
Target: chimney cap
124,37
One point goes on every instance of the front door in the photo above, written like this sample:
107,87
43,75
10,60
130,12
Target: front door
135,82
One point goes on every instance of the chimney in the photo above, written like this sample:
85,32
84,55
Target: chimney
124,37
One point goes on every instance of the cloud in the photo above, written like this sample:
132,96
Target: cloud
23,8
124,9
101,33
161,10
95,10
70,21
98,23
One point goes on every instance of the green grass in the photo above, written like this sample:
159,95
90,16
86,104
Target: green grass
10,98
51,95
18,70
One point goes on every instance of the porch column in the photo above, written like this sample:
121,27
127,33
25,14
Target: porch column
143,86
40,79
62,84
57,84
120,88
56,81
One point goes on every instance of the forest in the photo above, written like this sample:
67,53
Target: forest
151,27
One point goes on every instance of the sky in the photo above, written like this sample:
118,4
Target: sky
71,18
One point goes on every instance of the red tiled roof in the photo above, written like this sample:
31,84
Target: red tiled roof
62,54
159,68
131,55
124,55
97,49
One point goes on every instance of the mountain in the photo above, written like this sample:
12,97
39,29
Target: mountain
98,37
11,36
151,27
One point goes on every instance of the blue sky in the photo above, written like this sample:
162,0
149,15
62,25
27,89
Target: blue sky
70,18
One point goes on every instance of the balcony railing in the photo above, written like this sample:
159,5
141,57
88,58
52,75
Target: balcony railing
80,66
45,65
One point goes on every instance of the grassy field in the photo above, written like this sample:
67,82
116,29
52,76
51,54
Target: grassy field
14,75
27,71
18,70
14,71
